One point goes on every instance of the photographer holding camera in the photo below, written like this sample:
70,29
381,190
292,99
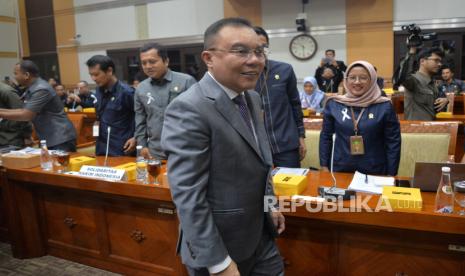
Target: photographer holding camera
329,81
422,100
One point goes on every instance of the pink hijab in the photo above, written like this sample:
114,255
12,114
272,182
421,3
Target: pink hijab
371,96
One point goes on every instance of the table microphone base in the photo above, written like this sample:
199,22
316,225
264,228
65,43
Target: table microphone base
334,192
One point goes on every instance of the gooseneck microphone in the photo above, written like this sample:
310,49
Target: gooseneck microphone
108,145
334,192
332,160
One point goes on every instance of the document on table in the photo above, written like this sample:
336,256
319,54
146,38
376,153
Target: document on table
370,183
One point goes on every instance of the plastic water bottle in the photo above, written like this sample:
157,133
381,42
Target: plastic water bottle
141,166
45,157
444,196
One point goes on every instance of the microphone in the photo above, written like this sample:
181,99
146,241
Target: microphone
334,191
108,145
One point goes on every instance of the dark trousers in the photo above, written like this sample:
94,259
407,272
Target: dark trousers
68,146
266,261
290,159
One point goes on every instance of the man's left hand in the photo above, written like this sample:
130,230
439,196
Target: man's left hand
302,148
130,145
278,221
440,103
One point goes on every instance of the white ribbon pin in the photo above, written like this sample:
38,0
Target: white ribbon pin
344,114
150,98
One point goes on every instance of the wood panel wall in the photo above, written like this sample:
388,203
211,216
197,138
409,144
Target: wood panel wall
370,34
249,9
65,29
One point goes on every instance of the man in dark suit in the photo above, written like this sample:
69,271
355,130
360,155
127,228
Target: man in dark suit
284,124
219,161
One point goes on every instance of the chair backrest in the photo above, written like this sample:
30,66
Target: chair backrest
450,128
426,142
77,120
312,143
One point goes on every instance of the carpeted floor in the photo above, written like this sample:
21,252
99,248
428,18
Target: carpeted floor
44,266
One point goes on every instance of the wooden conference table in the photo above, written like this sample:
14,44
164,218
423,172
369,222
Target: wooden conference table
132,229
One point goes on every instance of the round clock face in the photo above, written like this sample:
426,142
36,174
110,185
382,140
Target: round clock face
303,47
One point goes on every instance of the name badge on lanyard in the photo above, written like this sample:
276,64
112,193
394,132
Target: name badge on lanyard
356,141
95,129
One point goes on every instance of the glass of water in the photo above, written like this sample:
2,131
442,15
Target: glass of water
459,195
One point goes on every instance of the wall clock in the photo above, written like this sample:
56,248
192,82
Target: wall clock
303,46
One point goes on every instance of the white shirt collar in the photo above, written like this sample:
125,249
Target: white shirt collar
231,93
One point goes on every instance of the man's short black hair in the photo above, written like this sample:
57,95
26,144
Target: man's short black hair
105,62
215,28
162,52
330,50
447,67
84,82
260,31
428,52
28,66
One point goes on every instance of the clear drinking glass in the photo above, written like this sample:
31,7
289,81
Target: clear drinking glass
60,161
459,195
153,171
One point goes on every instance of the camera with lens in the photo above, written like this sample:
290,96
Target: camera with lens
415,38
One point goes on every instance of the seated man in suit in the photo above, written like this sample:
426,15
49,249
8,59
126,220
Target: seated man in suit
219,160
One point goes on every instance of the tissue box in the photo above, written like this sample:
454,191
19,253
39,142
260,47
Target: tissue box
76,163
130,169
444,115
23,161
289,185
403,199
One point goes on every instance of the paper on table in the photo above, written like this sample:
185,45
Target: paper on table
291,171
374,185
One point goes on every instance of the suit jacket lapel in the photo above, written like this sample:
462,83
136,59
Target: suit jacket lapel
227,108
257,116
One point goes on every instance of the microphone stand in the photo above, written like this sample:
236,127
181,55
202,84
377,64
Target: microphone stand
108,144
333,191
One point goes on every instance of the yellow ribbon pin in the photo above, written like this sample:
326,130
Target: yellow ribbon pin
371,116
276,77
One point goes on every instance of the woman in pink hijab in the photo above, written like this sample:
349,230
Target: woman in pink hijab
366,127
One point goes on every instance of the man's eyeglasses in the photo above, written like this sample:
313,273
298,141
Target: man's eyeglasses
436,60
245,53
362,79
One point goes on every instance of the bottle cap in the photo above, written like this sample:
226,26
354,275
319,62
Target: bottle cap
139,147
445,169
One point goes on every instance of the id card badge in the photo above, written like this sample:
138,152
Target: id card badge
356,145
95,129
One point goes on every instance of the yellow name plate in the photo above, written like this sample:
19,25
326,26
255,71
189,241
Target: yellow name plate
289,185
130,169
76,163
403,199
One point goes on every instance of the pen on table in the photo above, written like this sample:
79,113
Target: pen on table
366,178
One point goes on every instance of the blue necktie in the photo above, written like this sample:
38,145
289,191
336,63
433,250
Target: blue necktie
239,100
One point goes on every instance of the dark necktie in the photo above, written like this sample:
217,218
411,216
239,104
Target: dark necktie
239,100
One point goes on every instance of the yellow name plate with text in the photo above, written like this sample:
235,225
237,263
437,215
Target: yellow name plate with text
403,199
